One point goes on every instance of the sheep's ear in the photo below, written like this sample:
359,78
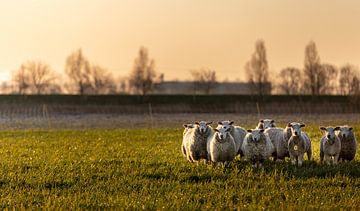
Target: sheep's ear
337,128
289,124
262,130
302,125
231,122
197,123
208,123
272,121
322,128
261,120
249,131
220,123
185,125
216,130
350,128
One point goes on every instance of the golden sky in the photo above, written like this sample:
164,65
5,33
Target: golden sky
180,35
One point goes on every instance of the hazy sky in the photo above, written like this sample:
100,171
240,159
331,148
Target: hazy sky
180,34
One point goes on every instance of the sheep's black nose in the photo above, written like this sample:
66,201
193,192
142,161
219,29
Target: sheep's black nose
296,133
328,136
221,136
344,135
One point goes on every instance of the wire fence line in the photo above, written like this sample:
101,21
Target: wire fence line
46,110
52,116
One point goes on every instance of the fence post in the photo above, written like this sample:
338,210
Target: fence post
258,110
46,114
151,116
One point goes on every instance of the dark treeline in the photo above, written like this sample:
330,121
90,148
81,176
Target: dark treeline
85,78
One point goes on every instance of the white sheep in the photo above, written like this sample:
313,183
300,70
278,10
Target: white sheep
348,143
238,133
330,145
298,144
265,124
257,147
187,127
221,147
279,138
195,141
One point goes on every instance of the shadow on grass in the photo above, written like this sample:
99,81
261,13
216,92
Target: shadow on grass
309,169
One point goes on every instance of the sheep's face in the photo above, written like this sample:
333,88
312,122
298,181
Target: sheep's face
296,128
256,134
222,132
225,124
266,123
330,133
187,127
345,131
203,126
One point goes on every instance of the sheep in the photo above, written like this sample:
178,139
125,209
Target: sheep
238,133
221,147
298,144
330,145
265,124
279,138
348,143
195,141
257,147
187,127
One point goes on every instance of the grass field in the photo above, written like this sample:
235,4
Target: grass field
144,169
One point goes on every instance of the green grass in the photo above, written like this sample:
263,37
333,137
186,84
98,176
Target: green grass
144,169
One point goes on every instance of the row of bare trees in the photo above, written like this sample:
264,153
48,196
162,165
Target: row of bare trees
319,78
316,78
36,77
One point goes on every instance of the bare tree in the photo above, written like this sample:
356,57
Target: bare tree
34,77
312,70
78,70
41,76
21,80
349,80
328,79
123,85
143,75
257,70
290,81
204,80
101,81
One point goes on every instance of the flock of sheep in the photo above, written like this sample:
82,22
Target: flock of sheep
226,141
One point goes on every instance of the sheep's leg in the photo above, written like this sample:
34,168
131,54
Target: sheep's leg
336,158
309,153
183,150
300,159
189,158
293,159
321,157
327,159
253,163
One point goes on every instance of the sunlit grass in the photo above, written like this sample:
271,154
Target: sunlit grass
144,168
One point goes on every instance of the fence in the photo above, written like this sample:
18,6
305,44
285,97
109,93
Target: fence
45,105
